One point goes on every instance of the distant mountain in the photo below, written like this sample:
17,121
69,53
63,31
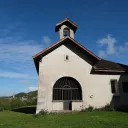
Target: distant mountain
19,100
27,96
21,94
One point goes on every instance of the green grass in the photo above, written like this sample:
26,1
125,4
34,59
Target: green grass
9,119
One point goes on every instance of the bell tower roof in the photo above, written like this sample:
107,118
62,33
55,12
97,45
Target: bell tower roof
68,23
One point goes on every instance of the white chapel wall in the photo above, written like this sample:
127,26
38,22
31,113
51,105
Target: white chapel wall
96,89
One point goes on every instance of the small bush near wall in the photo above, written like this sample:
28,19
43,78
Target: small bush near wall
107,107
41,113
88,109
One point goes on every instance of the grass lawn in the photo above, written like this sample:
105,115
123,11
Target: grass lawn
9,119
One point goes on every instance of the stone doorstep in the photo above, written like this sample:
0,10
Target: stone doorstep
63,111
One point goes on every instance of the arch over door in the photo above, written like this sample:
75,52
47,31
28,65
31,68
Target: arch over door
67,88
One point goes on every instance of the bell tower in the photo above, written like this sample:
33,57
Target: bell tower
66,28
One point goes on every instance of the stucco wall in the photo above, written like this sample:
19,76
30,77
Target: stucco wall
56,106
52,67
77,106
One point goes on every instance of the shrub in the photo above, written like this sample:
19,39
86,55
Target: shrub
1,109
21,94
107,107
5,104
16,103
82,108
19,100
41,113
89,109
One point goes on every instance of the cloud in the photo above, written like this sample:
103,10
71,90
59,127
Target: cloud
25,82
124,48
7,29
15,49
109,47
16,56
13,75
126,44
109,42
32,88
46,40
22,51
102,54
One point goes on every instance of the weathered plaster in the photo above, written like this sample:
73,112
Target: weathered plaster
96,89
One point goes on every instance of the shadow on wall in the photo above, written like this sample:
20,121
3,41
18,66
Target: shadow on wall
26,110
120,100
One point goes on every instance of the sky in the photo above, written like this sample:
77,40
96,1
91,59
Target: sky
28,26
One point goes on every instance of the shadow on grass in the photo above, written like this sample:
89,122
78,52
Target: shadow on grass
26,110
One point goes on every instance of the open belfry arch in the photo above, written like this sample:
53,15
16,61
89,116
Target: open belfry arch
86,79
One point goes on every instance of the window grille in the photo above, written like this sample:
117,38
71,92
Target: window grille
67,88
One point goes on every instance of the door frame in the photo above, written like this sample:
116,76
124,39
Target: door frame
69,105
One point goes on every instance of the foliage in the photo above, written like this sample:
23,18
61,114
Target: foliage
1,109
83,108
33,94
5,104
88,109
16,103
21,94
20,100
107,107
41,113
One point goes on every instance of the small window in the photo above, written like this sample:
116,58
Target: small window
114,88
125,87
66,58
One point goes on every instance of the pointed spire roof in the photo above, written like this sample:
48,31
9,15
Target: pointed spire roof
67,22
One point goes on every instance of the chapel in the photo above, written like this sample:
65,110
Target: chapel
72,78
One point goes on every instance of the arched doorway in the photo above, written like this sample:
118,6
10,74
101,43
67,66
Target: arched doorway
67,89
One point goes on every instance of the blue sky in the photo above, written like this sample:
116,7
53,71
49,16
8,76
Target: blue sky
28,26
